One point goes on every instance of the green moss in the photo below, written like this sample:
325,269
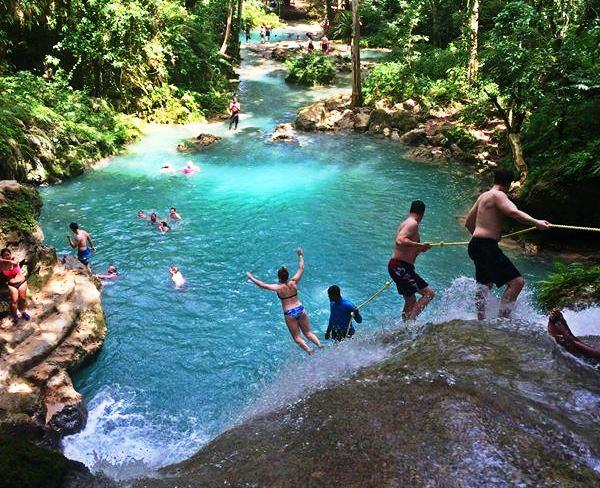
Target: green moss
19,211
26,465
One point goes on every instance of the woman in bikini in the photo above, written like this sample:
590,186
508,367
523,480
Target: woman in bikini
17,284
294,314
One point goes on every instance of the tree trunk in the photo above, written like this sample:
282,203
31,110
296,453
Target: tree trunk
223,49
329,12
514,140
356,75
473,31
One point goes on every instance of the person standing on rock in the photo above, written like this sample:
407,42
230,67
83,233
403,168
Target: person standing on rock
484,222
341,313
81,241
294,314
401,266
16,283
234,113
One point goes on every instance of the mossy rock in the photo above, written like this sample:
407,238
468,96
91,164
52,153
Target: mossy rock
20,207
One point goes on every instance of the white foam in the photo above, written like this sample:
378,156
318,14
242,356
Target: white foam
584,322
124,443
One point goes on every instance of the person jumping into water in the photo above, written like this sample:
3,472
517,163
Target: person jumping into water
294,314
81,241
484,222
234,113
16,283
401,266
560,331
341,310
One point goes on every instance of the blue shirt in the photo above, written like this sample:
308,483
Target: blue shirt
340,317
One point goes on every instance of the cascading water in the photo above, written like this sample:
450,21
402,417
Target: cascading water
179,366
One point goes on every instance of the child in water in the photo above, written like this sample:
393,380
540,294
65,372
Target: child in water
163,227
174,214
189,168
176,276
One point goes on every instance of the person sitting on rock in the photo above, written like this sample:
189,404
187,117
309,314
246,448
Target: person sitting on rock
341,313
111,273
16,283
560,331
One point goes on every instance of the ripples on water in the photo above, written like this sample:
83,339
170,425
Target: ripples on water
179,366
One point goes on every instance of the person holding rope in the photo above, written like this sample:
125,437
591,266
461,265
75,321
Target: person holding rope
401,266
484,223
294,314
342,312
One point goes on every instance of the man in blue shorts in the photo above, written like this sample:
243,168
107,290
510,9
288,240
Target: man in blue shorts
341,310
80,242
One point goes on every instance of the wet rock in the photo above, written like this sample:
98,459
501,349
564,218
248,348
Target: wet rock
284,132
387,132
310,116
415,137
346,122
395,136
281,53
361,120
197,143
457,404
69,420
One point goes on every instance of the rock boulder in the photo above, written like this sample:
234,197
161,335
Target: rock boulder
197,143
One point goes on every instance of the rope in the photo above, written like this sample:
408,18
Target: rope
512,234
366,302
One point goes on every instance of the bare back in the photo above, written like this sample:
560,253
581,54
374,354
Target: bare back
488,219
408,229
288,294
82,240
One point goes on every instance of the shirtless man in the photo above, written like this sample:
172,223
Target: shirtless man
401,266
174,214
82,238
484,222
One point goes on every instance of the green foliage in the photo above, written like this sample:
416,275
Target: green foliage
570,285
19,211
311,69
255,14
461,137
50,128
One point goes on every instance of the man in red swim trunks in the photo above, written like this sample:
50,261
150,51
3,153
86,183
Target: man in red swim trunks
402,263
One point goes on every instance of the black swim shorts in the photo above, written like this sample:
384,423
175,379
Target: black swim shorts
406,278
491,265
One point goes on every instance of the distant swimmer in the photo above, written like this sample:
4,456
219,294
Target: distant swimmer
154,218
401,266
484,222
294,314
234,113
142,215
163,227
341,311
173,214
176,277
80,242
560,331
111,273
16,282
189,168
167,168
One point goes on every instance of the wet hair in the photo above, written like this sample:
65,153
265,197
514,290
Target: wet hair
153,217
4,251
73,226
114,269
173,209
164,224
283,274
417,207
503,177
334,293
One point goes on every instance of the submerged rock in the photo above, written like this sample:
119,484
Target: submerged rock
284,132
464,404
197,143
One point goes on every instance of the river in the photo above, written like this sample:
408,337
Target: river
179,366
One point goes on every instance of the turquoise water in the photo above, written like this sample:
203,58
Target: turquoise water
179,366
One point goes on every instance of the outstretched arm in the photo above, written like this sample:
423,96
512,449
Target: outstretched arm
13,261
298,276
472,218
261,284
509,209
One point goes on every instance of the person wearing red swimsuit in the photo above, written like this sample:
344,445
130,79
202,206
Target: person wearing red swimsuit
16,283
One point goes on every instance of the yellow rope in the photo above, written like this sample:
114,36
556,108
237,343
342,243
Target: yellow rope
367,301
512,234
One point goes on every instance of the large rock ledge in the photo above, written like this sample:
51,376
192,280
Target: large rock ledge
434,135
67,327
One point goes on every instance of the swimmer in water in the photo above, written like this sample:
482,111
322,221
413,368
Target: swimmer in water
111,273
173,214
189,168
163,227
294,314
176,276
167,168
142,215
154,219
